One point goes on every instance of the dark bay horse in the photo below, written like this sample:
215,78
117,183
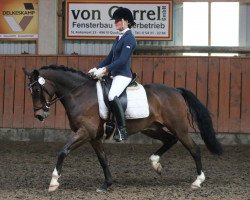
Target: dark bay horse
171,110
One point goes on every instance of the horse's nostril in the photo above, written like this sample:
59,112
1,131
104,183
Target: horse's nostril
39,117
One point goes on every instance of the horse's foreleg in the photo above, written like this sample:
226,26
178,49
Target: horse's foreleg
76,140
98,147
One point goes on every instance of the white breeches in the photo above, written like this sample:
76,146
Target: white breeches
119,83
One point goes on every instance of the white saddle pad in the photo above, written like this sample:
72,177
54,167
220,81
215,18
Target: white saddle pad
137,106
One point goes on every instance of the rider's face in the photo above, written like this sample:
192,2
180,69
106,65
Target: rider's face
120,24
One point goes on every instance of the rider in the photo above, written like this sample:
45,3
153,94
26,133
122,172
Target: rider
118,65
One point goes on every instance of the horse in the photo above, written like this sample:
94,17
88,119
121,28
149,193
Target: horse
171,111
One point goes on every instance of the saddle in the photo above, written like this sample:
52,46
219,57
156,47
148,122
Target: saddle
134,99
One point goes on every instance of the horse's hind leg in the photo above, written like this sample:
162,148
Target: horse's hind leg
76,140
98,147
194,150
168,141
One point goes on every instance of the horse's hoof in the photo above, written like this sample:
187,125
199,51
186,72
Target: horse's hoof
101,190
155,163
53,188
104,187
199,180
159,169
195,187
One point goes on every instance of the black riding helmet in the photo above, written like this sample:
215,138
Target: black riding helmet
124,13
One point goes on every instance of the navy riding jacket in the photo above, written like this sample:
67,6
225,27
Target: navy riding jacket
118,62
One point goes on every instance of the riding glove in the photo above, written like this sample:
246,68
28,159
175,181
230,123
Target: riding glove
91,71
99,73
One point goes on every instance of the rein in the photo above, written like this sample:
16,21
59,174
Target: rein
47,105
61,97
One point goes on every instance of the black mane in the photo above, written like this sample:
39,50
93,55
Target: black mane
63,68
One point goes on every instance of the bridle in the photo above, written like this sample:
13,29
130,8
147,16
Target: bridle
46,104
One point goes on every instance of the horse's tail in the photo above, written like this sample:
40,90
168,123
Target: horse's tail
203,119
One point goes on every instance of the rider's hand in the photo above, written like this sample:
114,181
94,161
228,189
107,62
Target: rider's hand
92,71
99,73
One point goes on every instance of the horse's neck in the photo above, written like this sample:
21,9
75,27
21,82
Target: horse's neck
65,81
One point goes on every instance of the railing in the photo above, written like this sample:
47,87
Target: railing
221,83
165,50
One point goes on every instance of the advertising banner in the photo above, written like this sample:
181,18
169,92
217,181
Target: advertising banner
19,19
92,19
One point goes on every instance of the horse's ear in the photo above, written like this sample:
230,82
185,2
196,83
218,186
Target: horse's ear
26,72
35,73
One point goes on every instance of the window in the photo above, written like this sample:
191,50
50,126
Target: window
195,24
224,23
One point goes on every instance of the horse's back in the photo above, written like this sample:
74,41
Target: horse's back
163,91
166,102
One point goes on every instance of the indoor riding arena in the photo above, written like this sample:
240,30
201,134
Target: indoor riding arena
193,59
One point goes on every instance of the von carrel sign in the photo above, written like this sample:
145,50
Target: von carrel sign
92,19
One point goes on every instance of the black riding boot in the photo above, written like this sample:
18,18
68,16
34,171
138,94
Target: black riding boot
118,112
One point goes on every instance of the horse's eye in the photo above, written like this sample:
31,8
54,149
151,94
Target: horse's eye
37,90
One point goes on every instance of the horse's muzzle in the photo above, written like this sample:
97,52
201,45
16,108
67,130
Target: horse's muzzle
41,115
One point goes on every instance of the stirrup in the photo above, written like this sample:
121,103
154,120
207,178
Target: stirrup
120,135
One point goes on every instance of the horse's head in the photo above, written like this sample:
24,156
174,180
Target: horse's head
42,92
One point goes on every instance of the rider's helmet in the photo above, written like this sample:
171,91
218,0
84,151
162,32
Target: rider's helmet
124,13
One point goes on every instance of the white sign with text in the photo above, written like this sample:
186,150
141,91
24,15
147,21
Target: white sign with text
90,20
